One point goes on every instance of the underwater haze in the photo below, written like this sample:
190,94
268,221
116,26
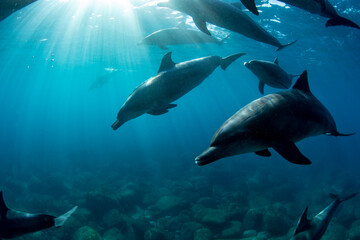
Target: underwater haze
67,67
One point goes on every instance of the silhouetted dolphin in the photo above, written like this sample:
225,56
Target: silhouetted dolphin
315,228
225,15
174,36
14,223
320,7
270,73
174,80
277,120
9,7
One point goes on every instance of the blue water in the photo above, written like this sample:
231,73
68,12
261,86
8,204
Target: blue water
55,125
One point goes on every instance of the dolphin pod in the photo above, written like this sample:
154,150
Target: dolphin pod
275,121
175,36
270,73
315,228
174,80
15,224
224,15
320,7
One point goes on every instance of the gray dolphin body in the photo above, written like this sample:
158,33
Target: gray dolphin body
174,80
176,36
277,120
223,15
15,224
315,228
270,73
320,7
8,7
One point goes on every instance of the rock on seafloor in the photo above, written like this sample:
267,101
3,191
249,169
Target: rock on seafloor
86,233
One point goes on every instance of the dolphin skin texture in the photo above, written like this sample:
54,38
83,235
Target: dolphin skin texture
320,7
224,15
315,228
176,36
269,73
277,120
174,80
14,224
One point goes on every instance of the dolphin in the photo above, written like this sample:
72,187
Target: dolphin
174,80
224,15
320,7
15,224
277,120
175,36
9,7
270,73
315,228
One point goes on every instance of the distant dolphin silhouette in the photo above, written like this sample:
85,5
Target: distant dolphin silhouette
319,7
9,7
175,36
174,80
225,15
15,224
315,228
277,120
270,73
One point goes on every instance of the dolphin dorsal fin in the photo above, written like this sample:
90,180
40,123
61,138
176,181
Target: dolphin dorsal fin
166,62
276,61
302,83
3,207
303,223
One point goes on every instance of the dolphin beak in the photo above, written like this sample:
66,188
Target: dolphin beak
247,64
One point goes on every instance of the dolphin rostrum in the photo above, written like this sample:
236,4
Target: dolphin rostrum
315,228
320,7
277,120
15,224
270,73
224,15
174,80
175,36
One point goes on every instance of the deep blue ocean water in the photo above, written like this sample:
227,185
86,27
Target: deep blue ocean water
66,67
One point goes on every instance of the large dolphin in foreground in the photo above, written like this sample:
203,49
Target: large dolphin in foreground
270,73
175,36
8,7
320,7
15,224
315,228
224,15
275,121
174,80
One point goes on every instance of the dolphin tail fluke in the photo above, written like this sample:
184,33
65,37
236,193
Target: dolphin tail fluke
286,45
337,21
226,61
250,4
59,221
335,196
223,40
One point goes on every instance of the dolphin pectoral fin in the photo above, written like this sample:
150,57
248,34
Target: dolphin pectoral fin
201,25
290,152
163,47
250,4
303,223
166,62
161,109
286,45
261,87
337,21
276,61
226,61
264,153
